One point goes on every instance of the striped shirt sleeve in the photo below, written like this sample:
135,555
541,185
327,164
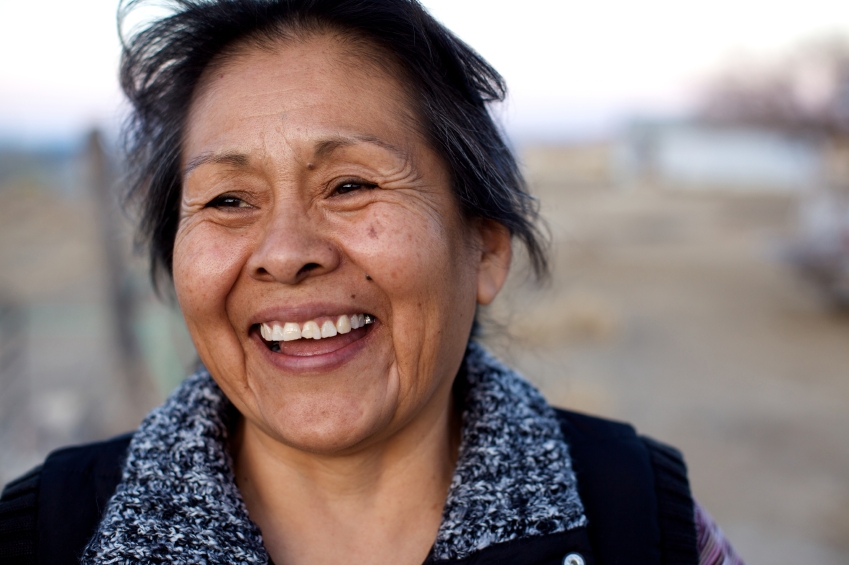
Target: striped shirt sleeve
714,548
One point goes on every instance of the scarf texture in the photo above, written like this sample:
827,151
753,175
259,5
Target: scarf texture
177,501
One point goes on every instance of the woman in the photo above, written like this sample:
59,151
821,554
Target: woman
323,183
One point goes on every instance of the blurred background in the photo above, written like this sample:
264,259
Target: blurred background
691,160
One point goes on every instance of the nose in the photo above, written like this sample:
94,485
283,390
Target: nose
292,248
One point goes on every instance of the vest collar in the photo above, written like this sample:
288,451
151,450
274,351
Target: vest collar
178,501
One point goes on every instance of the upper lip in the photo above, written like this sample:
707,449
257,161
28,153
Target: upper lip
304,312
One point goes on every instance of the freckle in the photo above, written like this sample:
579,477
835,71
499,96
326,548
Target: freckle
372,233
353,296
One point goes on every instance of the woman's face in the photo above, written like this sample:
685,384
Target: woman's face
308,195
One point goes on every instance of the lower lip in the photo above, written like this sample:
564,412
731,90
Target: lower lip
322,361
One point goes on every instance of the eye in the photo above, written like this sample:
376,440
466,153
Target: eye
353,185
227,201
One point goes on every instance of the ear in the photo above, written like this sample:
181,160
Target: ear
496,251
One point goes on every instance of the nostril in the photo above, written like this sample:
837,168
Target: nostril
307,268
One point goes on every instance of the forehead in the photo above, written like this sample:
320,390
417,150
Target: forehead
317,87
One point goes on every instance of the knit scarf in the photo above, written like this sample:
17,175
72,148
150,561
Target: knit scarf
177,501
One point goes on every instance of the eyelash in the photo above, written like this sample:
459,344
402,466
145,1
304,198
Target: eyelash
227,201
352,185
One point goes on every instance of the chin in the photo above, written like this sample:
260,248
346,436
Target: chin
326,425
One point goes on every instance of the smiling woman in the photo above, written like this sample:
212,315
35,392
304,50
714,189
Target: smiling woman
323,183
331,185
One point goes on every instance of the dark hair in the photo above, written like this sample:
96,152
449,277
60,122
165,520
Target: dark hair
162,64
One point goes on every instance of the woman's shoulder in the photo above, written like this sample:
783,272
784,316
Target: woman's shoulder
623,478
65,496
578,426
18,518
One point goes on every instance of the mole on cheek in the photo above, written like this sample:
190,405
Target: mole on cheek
372,232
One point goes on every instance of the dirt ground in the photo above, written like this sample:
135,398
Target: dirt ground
666,309
674,311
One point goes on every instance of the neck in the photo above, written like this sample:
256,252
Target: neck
379,504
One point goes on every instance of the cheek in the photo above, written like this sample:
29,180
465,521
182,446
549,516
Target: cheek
421,262
206,266
403,253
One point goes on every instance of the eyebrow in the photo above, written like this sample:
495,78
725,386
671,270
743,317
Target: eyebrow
323,149
235,159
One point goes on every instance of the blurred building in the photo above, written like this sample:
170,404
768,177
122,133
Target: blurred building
805,173
696,156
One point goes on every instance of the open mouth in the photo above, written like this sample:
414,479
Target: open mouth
314,337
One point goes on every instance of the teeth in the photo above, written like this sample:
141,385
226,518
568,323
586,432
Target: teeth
306,332
291,331
343,324
328,329
311,330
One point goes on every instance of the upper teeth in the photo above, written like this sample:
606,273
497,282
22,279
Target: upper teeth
291,331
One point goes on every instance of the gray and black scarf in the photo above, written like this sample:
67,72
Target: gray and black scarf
178,500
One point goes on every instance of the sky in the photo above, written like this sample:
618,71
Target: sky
574,69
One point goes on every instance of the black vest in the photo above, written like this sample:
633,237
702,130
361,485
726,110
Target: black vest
635,493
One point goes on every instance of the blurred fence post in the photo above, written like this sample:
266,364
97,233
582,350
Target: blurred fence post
122,301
